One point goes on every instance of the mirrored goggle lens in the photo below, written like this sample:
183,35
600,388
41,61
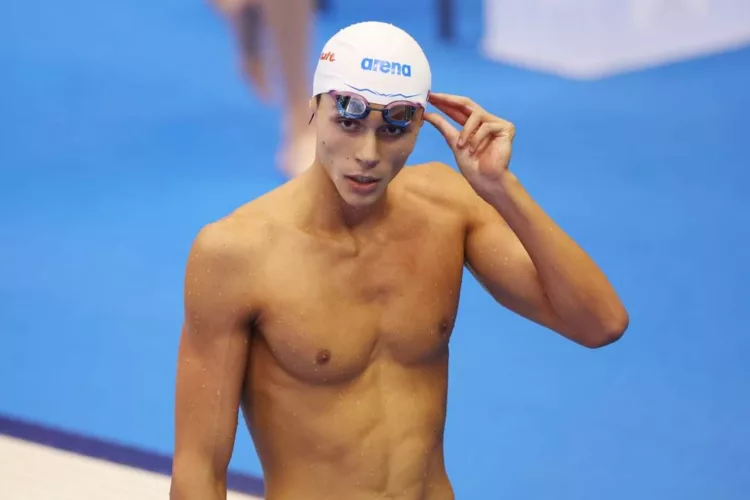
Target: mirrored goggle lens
400,114
351,106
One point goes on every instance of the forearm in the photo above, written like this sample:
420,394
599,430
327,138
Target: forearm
576,287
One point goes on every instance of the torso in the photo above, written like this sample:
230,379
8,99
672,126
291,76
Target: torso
347,376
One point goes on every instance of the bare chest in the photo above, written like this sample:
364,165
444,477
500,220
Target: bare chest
327,317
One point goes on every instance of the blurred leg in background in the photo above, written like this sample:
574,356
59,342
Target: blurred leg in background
288,23
245,17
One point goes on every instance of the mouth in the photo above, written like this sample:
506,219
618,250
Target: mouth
363,180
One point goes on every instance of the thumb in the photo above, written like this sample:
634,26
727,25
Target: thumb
444,127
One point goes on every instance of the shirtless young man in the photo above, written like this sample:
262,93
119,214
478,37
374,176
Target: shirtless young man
325,307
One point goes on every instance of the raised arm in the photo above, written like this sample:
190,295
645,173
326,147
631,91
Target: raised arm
531,266
210,367
513,247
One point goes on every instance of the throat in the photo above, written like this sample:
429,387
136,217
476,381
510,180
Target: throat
325,209
361,217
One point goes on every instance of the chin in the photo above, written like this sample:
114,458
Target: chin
359,200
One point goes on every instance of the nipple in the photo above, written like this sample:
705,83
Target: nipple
323,357
444,329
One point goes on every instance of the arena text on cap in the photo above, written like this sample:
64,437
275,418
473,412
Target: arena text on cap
391,67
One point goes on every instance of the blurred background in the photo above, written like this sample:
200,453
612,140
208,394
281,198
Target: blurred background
126,126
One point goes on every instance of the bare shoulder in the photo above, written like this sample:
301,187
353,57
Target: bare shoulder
232,245
226,239
439,184
245,232
223,268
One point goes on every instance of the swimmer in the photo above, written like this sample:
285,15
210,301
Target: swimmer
289,23
324,308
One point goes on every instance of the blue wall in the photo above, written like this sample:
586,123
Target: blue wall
125,127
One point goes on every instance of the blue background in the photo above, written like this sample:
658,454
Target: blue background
126,127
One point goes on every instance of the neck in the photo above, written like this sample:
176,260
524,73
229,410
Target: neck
326,210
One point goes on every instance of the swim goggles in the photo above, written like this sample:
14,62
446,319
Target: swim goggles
356,107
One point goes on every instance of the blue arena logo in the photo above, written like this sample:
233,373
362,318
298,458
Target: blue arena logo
390,67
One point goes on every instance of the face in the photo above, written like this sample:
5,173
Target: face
362,156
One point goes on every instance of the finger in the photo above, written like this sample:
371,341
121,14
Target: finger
457,107
447,130
456,99
465,106
483,146
459,102
457,115
487,130
474,121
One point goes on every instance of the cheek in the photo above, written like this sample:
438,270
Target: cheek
401,151
333,149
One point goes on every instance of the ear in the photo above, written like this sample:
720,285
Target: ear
312,106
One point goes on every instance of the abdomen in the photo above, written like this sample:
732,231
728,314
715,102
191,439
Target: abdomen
381,433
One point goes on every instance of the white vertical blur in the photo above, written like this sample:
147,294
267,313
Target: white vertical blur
30,471
596,38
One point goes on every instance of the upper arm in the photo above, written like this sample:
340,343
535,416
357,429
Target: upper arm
212,356
499,261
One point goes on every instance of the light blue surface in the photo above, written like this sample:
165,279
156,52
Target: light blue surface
125,128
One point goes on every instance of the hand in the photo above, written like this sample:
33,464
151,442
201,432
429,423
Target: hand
483,147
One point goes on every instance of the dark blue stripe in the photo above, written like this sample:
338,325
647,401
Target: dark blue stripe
112,452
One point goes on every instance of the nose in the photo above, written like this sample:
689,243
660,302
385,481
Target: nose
367,155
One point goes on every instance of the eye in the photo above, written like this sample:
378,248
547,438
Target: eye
393,130
348,125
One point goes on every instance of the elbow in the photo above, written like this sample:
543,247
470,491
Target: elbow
608,332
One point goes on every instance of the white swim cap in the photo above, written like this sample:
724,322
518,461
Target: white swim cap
377,60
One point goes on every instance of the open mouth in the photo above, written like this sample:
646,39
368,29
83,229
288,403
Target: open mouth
363,180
